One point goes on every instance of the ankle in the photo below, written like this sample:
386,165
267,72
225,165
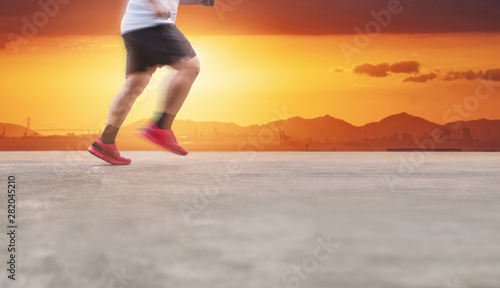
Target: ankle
106,142
109,134
165,121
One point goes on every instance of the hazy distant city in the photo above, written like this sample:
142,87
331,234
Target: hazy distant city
400,132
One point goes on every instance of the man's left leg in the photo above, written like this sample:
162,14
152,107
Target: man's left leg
178,89
161,132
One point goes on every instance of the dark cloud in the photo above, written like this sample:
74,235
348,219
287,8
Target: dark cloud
405,67
421,78
384,69
409,67
452,75
491,74
337,70
297,17
380,70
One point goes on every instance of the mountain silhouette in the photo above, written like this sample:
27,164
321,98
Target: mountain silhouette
317,129
400,123
13,130
327,129
326,133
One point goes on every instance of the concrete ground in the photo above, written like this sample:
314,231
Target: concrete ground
254,220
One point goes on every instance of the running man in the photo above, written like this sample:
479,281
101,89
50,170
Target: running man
152,40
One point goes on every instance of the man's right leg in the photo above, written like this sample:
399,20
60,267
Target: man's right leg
105,147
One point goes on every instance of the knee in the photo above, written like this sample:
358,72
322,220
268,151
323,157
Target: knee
192,67
133,91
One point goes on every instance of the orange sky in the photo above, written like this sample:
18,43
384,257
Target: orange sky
68,81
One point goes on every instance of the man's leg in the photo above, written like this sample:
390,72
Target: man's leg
161,132
178,89
104,147
123,102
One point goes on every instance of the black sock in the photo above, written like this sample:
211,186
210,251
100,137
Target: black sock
165,121
109,134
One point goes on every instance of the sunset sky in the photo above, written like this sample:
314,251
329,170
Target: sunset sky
259,56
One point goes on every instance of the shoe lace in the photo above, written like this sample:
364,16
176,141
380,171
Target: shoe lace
172,137
116,152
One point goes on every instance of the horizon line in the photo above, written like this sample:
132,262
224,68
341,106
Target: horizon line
263,124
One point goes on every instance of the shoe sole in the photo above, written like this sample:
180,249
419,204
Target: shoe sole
104,157
144,134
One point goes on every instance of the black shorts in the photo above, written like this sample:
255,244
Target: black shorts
159,45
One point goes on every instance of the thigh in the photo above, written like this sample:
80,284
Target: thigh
158,45
186,63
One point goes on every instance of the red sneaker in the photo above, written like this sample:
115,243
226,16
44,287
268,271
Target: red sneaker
164,138
108,153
